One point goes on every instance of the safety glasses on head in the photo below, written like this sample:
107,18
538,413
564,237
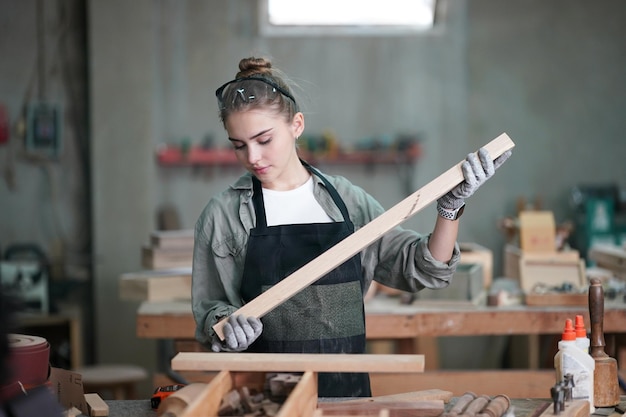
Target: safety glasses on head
224,92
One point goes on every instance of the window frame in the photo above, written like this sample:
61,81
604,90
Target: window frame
266,28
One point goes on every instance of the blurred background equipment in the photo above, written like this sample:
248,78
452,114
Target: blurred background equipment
24,275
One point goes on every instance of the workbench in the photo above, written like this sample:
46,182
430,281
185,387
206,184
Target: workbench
141,408
410,325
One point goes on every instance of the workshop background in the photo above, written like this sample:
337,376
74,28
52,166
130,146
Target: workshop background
119,79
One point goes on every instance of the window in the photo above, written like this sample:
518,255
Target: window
335,17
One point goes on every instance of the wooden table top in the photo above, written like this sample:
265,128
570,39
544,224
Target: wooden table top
387,318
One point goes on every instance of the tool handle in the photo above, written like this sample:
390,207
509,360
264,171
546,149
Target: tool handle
596,315
497,406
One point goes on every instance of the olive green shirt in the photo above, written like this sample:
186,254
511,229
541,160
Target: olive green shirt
399,259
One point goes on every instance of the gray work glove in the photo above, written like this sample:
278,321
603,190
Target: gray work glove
239,333
475,173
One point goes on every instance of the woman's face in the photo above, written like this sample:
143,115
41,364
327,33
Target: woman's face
264,143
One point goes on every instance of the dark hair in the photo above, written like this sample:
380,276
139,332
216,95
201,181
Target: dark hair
257,84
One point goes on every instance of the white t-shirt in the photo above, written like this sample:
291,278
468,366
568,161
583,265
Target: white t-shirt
295,206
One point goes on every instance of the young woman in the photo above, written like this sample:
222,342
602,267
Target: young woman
282,214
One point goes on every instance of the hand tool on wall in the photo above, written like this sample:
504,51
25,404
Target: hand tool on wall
605,381
353,244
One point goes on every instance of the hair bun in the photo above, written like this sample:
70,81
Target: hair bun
251,66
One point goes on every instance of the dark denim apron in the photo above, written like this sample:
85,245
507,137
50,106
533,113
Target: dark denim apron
327,316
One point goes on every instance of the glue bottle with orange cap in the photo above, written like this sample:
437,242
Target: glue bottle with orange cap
582,341
571,359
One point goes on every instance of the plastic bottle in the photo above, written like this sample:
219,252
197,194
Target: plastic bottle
582,341
570,359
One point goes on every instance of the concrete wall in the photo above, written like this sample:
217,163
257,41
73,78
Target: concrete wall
547,73
152,82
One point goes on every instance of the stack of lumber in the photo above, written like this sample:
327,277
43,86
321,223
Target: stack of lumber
168,249
168,259
156,285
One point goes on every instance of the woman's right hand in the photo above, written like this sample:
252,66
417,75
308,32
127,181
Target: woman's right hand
239,333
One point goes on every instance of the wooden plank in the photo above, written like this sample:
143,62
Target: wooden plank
555,299
96,405
156,258
362,238
576,408
423,395
296,362
170,239
208,402
513,383
156,285
302,401
432,408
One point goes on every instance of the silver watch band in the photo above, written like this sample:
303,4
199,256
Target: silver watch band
450,214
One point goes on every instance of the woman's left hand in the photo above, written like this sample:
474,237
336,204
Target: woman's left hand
239,333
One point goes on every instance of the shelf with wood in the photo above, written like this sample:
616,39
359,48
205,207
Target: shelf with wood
167,155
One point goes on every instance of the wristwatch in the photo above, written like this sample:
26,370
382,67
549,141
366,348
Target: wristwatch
450,214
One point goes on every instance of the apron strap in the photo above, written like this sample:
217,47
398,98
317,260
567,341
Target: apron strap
259,207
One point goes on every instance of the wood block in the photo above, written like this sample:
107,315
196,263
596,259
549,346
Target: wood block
473,253
537,231
172,239
156,285
156,258
96,405
576,408
362,238
297,362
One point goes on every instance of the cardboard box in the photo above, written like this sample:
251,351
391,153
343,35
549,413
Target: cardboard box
537,231
550,269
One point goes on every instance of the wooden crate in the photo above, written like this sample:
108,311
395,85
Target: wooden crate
303,399
301,402
551,269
